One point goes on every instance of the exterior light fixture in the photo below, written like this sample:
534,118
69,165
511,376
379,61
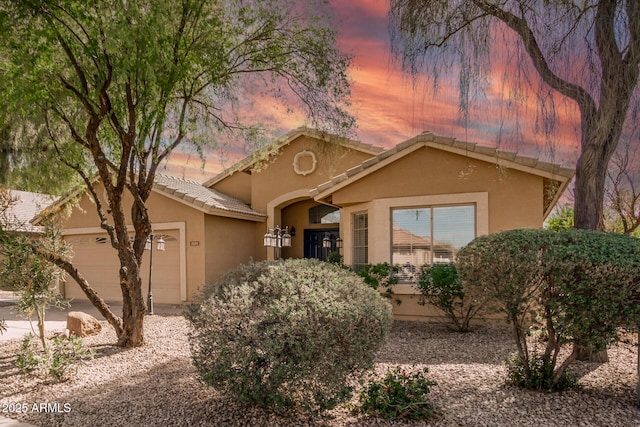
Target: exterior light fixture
277,238
326,242
268,238
339,243
149,247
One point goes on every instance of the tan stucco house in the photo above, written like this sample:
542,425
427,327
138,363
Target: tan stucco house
416,203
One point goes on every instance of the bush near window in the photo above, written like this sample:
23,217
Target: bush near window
440,285
287,334
579,285
382,275
399,395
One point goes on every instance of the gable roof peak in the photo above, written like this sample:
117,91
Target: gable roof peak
287,139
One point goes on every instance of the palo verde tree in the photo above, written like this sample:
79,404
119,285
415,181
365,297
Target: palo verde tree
587,51
118,85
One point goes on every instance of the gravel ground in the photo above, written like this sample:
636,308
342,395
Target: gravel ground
157,385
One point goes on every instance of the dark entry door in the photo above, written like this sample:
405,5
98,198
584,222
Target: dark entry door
313,243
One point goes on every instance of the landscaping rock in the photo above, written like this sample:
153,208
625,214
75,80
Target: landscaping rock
82,324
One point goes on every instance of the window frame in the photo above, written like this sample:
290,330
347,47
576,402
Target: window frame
405,279
356,249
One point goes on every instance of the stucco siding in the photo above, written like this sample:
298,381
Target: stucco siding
189,255
237,185
515,198
279,177
229,243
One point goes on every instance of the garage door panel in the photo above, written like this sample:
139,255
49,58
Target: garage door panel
98,262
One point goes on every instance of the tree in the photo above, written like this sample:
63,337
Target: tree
30,164
622,192
579,285
32,276
588,52
561,219
118,85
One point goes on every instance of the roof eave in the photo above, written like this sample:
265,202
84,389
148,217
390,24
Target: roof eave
209,210
289,137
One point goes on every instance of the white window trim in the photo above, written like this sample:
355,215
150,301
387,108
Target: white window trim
380,223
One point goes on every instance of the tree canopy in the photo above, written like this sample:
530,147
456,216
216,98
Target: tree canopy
587,52
116,85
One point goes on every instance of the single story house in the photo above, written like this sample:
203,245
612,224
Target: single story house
416,203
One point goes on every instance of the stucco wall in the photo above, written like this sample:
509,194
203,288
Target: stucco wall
279,177
229,243
163,211
237,185
503,199
515,198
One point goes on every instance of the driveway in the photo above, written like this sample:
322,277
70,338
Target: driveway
56,319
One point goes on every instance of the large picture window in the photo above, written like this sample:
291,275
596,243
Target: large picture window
429,235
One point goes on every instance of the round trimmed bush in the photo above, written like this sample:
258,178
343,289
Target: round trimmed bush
287,334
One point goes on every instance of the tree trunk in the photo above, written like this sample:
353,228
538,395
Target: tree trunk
95,299
638,373
133,307
591,171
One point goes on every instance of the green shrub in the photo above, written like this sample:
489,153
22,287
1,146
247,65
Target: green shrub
382,275
399,395
335,257
579,285
59,361
33,276
287,334
539,376
440,285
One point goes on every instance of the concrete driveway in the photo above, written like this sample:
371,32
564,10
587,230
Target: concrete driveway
56,320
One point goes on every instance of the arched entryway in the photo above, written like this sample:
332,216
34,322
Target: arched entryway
309,223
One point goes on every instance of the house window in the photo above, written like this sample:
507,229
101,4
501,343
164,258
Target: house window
324,214
360,240
429,235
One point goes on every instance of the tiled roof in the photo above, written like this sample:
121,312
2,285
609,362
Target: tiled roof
428,139
197,195
249,161
27,205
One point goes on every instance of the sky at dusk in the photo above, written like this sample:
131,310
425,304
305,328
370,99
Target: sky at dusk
391,107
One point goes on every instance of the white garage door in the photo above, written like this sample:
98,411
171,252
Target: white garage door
98,262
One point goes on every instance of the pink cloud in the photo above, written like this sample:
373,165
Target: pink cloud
390,107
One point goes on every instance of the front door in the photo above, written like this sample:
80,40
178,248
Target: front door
313,243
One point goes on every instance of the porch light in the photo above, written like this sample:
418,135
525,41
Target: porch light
277,238
149,247
268,239
286,238
326,242
339,242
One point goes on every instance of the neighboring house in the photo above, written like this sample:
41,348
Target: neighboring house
22,208
418,202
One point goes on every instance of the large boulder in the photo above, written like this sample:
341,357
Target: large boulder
82,324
